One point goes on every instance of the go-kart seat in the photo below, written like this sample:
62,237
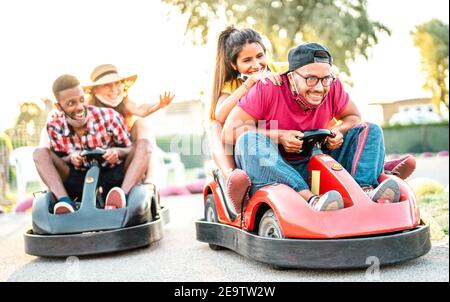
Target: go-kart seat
231,210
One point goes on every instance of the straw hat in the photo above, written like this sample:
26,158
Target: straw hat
107,73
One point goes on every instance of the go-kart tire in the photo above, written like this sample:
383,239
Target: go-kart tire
211,216
269,226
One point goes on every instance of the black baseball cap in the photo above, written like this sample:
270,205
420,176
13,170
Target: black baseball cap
308,53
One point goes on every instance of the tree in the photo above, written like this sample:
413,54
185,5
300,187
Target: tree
5,150
432,40
343,25
29,123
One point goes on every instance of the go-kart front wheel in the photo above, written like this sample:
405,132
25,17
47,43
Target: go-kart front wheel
269,226
211,216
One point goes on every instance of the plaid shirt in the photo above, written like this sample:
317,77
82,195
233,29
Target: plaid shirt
105,128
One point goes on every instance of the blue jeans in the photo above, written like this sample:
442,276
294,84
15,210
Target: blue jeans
361,154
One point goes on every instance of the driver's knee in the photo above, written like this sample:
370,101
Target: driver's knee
374,133
143,147
375,129
142,130
40,153
370,127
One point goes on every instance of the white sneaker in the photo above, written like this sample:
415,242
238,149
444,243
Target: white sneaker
63,207
387,192
330,201
115,199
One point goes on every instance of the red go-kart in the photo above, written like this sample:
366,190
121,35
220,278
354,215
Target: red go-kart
278,227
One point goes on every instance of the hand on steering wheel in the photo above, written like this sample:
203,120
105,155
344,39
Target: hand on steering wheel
111,156
312,139
94,157
76,159
291,140
336,141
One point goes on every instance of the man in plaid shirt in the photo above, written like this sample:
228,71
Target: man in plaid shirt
104,129
76,127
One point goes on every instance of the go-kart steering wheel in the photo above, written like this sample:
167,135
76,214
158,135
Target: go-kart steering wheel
312,138
94,157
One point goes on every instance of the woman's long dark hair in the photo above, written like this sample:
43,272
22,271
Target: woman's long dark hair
229,45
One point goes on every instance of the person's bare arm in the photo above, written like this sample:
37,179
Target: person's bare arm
348,119
123,151
143,110
227,102
240,121
237,123
113,155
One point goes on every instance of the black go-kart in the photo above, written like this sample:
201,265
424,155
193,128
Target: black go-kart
92,229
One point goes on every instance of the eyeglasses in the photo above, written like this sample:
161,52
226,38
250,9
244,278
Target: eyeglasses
313,80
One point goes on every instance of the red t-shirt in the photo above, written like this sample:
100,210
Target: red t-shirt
274,103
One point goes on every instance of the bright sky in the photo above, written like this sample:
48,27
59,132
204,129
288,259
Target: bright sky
44,39
393,71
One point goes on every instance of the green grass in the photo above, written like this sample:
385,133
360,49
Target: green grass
436,204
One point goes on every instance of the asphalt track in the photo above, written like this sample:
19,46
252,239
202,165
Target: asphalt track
179,257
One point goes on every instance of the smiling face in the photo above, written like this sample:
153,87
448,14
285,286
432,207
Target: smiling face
110,92
314,95
71,102
251,59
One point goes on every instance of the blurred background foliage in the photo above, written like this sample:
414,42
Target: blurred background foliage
25,132
432,40
416,138
343,25
29,123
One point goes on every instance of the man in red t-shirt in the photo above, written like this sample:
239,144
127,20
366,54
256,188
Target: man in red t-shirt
310,97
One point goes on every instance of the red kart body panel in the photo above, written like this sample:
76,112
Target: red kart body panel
360,217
